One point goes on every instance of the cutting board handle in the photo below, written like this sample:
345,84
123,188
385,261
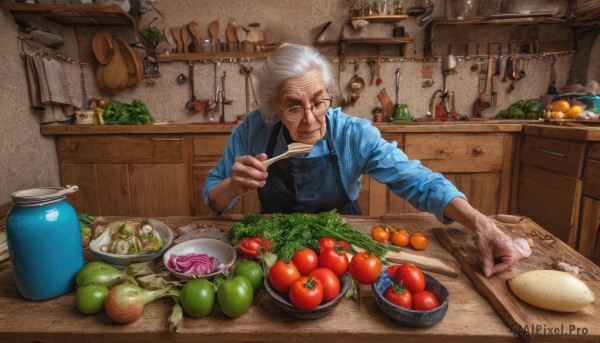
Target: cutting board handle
435,265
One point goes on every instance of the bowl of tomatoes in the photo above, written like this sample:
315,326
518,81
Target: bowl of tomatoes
283,301
426,305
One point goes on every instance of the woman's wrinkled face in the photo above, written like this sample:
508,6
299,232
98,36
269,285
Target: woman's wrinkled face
303,91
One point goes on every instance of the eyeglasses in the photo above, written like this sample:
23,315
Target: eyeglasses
319,107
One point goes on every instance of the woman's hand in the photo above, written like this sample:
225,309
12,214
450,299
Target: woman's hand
248,173
497,249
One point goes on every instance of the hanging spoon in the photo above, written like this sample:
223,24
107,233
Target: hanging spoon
293,149
516,74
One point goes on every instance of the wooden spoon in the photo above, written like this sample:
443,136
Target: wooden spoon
379,81
293,149
213,29
231,33
195,32
185,38
177,35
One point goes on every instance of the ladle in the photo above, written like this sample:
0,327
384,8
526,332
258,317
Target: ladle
293,149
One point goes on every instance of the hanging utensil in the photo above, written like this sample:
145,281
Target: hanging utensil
397,86
379,80
371,64
246,71
552,85
190,104
211,107
357,84
213,29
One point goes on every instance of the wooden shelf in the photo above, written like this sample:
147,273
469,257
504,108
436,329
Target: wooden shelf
497,21
204,56
76,14
376,41
382,18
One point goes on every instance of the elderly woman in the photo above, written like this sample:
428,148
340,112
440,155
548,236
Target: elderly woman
295,98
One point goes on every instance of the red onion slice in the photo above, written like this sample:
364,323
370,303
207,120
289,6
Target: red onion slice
193,264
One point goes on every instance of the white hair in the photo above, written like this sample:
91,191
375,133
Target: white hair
286,62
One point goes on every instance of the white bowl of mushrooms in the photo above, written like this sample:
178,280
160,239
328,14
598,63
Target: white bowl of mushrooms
128,241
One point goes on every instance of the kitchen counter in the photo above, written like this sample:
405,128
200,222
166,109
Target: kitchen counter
449,126
470,317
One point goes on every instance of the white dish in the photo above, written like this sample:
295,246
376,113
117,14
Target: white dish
123,260
210,246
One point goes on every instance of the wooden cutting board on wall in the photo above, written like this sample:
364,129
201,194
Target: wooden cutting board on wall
521,318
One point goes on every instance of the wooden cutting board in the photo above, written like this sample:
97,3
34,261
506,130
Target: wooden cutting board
520,317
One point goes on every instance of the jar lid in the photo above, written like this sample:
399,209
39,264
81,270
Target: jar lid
35,197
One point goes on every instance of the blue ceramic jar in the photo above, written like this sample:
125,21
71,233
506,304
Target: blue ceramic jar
44,242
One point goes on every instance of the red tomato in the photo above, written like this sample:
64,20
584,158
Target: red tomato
344,245
305,260
282,275
398,295
334,260
365,267
425,300
326,242
410,277
251,247
306,293
392,271
329,282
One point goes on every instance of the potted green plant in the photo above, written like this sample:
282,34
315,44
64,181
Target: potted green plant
152,35
377,113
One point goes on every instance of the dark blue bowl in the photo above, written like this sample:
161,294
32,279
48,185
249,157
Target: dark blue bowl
411,317
281,299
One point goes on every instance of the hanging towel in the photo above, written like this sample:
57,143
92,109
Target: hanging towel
49,89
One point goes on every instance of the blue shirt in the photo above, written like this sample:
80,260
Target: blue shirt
361,150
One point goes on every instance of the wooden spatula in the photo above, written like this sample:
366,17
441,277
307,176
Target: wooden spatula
293,149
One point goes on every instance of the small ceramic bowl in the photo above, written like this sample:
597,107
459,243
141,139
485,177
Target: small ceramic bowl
210,246
124,260
281,299
411,317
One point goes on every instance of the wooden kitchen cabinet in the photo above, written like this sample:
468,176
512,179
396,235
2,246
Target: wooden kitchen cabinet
133,175
478,164
207,150
589,242
550,184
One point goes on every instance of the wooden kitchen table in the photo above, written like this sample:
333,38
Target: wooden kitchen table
470,316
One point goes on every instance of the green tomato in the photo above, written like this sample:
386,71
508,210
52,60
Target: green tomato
99,273
235,296
252,271
197,297
90,298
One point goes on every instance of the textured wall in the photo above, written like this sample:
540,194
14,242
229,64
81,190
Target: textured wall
29,160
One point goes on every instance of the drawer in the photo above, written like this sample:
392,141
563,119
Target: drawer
121,149
457,153
591,183
209,147
594,152
551,200
561,156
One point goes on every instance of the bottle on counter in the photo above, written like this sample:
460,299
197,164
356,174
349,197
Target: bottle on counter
44,242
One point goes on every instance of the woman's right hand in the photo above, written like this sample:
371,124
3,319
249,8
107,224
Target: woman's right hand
248,173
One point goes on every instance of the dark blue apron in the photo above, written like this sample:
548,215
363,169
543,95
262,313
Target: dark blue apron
305,185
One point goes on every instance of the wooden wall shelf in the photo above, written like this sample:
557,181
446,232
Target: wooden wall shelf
381,18
76,14
207,56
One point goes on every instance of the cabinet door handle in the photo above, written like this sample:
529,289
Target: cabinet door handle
165,139
477,151
549,152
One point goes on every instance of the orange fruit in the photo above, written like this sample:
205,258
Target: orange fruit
400,238
380,234
573,112
419,241
560,106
